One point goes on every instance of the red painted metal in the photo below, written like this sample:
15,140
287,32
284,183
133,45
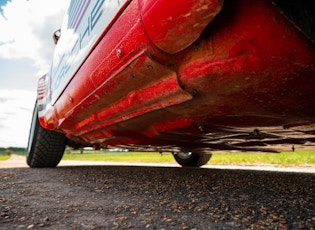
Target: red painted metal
165,21
192,82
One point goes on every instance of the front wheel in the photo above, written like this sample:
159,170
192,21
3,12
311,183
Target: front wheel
45,147
191,159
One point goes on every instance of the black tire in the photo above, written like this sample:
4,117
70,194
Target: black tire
45,147
191,159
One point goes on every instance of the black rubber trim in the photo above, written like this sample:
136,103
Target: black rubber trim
301,13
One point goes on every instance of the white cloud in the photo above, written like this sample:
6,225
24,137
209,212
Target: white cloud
27,28
16,108
26,35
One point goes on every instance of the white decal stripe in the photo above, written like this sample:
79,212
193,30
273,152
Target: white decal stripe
83,25
76,13
81,14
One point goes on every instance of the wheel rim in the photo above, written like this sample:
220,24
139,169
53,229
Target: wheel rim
184,155
31,134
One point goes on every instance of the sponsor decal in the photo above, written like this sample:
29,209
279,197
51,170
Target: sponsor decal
84,22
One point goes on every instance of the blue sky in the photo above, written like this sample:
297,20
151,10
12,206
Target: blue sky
26,50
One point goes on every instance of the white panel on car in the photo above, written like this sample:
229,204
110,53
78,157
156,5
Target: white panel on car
83,24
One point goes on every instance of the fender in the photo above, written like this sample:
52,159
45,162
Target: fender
164,26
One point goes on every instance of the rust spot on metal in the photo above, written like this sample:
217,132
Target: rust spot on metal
149,67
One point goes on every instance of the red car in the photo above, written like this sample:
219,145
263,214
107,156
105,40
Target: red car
187,77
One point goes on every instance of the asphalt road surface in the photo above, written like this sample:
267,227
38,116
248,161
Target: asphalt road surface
129,197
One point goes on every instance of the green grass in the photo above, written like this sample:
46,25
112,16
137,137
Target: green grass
284,159
4,157
119,156
304,157
298,158
5,153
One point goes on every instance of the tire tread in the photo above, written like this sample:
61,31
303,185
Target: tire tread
47,147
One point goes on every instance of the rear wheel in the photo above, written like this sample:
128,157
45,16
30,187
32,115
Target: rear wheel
191,159
45,147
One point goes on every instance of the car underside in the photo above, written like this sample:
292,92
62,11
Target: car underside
200,77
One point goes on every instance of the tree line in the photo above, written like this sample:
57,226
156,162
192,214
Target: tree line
10,150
